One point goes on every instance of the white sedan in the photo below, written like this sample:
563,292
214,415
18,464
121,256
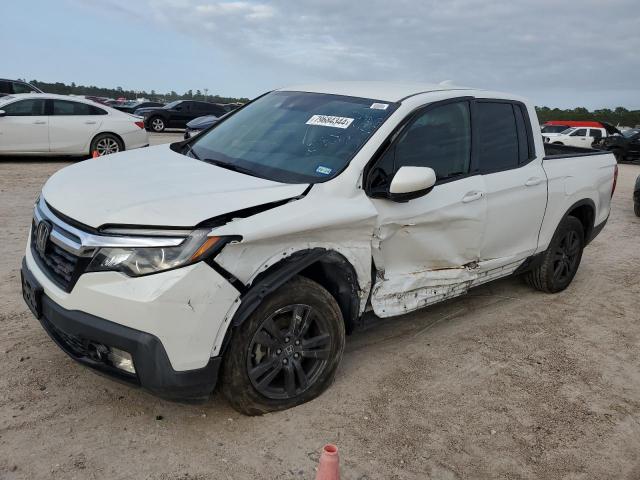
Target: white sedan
45,124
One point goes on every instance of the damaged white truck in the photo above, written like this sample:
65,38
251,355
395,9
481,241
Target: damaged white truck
244,255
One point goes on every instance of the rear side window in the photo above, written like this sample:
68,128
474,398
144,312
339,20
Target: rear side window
65,107
5,87
498,144
25,108
22,88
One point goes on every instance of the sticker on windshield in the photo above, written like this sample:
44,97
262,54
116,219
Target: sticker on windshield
323,170
330,121
379,106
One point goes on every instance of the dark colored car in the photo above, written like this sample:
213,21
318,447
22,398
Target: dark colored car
626,147
8,87
636,197
130,107
177,114
199,124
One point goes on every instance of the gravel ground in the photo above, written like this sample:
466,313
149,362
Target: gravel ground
503,383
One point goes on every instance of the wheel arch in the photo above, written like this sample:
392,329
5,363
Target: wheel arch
108,132
585,211
328,268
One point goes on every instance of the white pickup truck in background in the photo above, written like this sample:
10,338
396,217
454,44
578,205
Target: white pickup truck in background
583,137
247,252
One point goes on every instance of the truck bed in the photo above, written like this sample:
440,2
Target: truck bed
552,151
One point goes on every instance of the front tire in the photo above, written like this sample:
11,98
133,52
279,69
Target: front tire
105,144
157,124
561,260
287,351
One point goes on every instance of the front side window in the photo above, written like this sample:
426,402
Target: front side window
172,105
65,107
439,138
25,108
498,137
293,137
581,132
596,133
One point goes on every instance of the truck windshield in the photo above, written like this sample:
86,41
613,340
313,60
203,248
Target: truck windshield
293,137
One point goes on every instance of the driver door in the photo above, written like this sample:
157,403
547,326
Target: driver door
428,248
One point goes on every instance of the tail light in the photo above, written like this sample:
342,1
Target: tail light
615,180
139,124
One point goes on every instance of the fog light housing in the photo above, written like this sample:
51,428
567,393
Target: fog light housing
121,360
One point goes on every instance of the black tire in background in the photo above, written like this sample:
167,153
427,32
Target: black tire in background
287,351
157,124
561,260
636,209
105,144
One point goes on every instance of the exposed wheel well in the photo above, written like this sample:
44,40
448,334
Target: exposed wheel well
124,147
586,214
339,278
328,268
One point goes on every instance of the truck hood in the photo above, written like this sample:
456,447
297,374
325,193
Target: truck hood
156,187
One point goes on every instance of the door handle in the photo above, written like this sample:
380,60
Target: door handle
533,181
472,197
90,123
40,122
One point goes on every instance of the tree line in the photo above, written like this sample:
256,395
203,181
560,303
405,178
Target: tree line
618,116
119,92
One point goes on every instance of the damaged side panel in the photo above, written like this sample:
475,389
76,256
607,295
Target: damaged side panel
429,248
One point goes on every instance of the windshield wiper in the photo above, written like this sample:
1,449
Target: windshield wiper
230,166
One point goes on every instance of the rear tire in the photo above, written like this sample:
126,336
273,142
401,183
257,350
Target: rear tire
157,124
561,260
287,351
105,144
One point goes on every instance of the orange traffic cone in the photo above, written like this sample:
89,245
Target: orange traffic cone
329,467
95,154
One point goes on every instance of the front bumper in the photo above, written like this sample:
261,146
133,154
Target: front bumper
78,333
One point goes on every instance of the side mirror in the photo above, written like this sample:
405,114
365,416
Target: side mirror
2,113
411,182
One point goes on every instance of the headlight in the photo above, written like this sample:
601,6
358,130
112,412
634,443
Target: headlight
145,260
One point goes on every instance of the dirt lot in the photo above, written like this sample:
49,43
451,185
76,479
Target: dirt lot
503,383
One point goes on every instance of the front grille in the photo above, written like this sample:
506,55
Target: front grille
74,345
62,267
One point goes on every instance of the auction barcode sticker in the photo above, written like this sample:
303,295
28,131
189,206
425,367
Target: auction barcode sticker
330,121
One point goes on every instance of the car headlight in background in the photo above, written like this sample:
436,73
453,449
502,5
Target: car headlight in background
139,261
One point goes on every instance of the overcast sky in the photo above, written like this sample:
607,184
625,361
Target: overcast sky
559,53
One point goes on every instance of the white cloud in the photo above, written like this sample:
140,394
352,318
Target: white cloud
524,46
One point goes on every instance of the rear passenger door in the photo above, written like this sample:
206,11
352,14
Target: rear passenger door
595,134
73,125
515,182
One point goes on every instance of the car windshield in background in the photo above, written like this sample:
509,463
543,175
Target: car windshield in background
172,104
631,133
293,137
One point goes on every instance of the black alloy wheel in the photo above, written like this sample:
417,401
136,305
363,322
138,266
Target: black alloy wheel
288,352
566,257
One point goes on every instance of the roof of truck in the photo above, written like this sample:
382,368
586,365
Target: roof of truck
388,91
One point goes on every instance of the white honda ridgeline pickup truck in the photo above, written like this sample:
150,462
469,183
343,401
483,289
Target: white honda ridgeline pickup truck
243,255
